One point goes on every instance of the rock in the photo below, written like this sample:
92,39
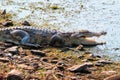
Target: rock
80,47
32,78
113,77
73,78
35,65
2,44
2,47
54,61
104,62
23,66
99,64
98,56
3,14
59,75
84,60
87,52
2,76
45,59
81,57
15,75
26,23
61,63
38,53
48,72
13,50
80,68
61,68
7,23
4,60
91,55
109,72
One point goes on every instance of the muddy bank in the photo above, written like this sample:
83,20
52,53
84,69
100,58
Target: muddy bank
21,62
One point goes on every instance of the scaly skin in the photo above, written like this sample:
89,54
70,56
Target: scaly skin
28,35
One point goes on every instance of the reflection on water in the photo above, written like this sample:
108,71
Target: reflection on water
94,15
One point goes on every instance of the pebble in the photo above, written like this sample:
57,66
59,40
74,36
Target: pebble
15,75
103,62
113,77
26,23
7,23
54,61
23,66
13,50
109,72
45,59
79,68
4,60
38,53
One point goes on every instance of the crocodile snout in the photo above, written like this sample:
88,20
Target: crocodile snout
103,33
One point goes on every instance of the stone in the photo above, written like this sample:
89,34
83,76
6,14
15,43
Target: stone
109,72
80,47
23,66
35,65
113,77
59,75
87,52
32,78
54,61
45,59
73,78
48,72
13,50
104,62
7,23
80,68
2,76
4,60
61,68
15,75
26,23
38,53
2,47
99,64
3,44
61,63
81,57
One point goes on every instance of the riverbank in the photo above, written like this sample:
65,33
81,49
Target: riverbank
51,63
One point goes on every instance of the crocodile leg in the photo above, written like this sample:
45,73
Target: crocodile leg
23,36
56,41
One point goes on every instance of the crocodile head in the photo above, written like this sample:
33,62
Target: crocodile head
84,37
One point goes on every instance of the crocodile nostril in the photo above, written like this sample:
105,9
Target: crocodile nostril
103,33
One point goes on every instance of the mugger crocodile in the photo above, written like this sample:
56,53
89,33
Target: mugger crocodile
28,35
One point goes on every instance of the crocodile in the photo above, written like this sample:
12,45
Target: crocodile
30,35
